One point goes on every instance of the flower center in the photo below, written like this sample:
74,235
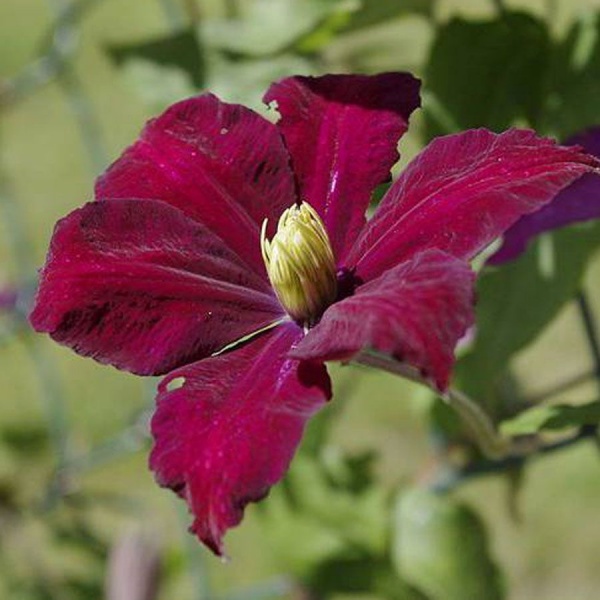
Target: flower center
300,263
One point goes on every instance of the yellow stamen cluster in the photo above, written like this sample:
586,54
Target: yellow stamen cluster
300,263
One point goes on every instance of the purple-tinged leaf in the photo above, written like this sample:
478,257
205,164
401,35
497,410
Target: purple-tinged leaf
578,202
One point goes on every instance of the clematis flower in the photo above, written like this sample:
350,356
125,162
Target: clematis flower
578,202
233,255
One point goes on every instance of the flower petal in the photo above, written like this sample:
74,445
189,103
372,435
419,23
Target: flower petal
462,192
137,284
229,432
221,164
416,311
342,132
578,202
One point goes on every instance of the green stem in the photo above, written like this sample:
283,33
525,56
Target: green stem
491,443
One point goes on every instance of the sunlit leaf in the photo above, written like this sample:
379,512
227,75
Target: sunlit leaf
557,417
180,50
323,514
441,547
162,70
267,27
375,12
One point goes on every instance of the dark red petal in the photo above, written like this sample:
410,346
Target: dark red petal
229,433
578,202
221,164
416,312
137,284
342,132
462,192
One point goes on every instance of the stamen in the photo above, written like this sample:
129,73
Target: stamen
300,263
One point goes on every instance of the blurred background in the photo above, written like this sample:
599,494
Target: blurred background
80,515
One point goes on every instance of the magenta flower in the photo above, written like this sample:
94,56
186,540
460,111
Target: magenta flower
576,203
169,266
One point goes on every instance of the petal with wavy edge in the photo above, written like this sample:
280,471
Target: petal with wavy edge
416,312
229,432
221,164
462,192
578,202
342,133
137,284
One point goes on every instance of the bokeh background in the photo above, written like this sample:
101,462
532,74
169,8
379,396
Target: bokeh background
79,511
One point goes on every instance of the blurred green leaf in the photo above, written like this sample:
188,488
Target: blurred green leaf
486,73
267,28
560,416
25,438
441,547
574,80
164,70
325,512
519,299
181,50
375,12
360,573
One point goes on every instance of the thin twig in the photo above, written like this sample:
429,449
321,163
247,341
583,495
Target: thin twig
560,388
58,46
81,107
451,478
591,333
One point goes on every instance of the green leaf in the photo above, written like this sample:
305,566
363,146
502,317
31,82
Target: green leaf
376,12
325,512
486,73
267,28
574,80
519,299
360,573
180,50
245,81
560,416
441,548
163,70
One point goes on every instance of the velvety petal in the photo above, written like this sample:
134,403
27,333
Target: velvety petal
578,202
462,192
137,284
416,311
229,432
342,132
221,164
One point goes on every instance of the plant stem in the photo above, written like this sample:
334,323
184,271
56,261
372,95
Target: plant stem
491,443
452,478
560,387
589,325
